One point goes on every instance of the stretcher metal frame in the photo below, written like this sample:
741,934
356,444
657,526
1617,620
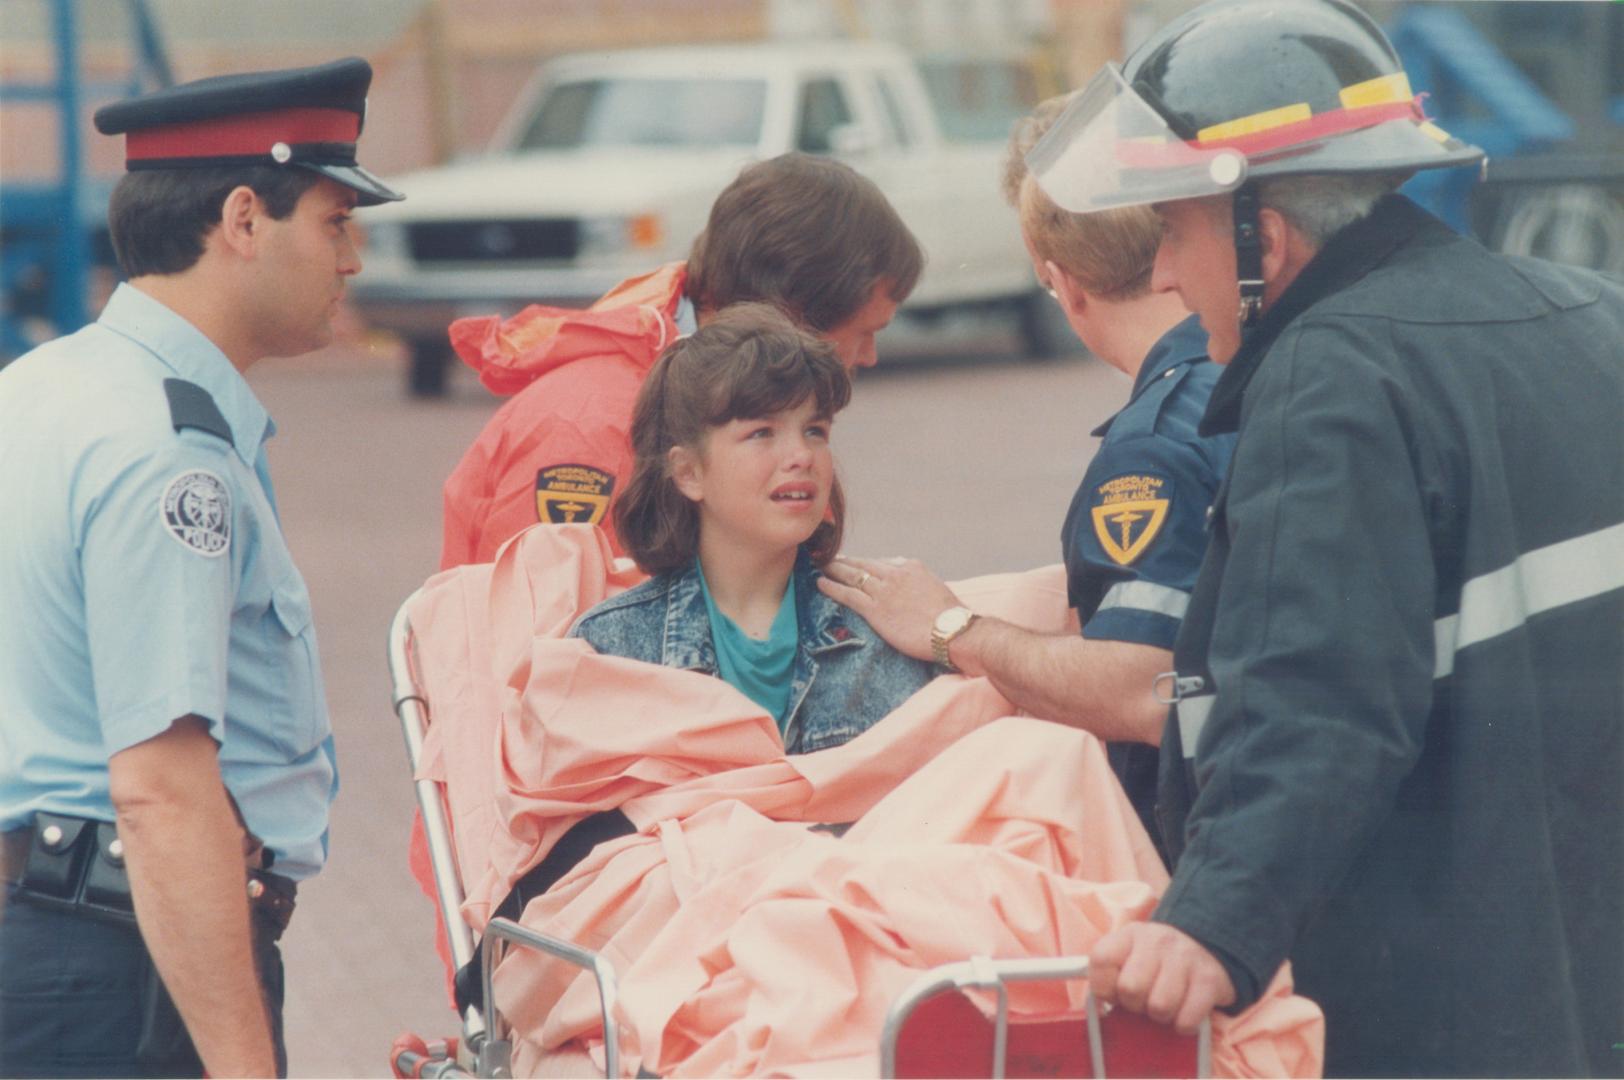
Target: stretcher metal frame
485,1049
985,973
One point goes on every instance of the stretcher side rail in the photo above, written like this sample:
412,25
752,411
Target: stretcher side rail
500,930
984,973
486,1048
484,1039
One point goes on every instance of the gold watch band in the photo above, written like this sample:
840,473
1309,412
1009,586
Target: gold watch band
940,639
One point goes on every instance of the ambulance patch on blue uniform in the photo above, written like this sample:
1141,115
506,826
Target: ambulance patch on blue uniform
572,493
1129,511
196,509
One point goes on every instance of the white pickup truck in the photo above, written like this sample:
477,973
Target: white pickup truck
608,163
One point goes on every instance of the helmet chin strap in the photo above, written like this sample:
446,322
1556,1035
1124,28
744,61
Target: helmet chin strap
1248,255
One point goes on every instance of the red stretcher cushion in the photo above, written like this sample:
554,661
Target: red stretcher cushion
948,1035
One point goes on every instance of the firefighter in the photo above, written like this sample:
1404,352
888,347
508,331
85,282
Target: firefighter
1397,750
166,763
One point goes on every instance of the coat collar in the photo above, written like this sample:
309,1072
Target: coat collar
822,623
1185,343
634,322
1347,257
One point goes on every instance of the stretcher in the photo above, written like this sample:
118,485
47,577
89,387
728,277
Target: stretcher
942,1025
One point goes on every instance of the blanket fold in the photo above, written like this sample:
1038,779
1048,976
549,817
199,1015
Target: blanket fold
747,942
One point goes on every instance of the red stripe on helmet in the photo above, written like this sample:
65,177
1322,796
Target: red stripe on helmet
1322,125
243,135
1171,155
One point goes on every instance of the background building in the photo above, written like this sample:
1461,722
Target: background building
1539,84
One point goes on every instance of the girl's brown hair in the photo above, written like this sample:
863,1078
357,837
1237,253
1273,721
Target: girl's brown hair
748,361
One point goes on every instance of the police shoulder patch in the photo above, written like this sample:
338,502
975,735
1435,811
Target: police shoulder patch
196,510
568,494
1129,511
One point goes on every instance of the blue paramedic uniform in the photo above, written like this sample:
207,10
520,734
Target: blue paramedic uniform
1136,531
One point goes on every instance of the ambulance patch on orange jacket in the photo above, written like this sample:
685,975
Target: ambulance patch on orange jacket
1128,513
572,493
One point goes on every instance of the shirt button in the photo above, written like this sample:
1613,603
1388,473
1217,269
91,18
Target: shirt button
1209,515
1168,374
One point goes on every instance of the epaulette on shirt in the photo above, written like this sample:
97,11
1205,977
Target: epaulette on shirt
190,406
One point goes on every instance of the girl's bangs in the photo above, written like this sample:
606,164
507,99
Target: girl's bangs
762,385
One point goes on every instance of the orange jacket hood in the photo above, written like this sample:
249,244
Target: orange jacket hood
636,319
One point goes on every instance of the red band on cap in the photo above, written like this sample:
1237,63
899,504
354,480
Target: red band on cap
242,135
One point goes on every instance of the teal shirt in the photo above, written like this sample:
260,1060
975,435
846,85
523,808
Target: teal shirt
764,671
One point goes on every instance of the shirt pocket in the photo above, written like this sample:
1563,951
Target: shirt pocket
292,708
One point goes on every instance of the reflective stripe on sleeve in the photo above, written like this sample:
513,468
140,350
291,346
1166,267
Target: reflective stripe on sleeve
1192,713
1146,596
1502,601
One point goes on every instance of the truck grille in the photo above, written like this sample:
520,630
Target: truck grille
494,240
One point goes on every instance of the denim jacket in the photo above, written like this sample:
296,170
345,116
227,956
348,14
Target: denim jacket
845,676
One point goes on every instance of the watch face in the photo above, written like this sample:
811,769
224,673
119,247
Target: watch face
952,621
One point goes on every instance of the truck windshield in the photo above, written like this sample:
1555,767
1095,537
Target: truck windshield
978,99
648,112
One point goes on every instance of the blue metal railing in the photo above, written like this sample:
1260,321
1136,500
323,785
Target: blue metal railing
46,260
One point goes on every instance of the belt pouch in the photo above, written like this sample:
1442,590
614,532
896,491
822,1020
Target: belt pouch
56,857
107,885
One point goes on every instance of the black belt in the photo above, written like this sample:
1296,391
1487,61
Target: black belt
77,865
576,844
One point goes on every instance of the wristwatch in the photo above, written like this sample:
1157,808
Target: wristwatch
948,626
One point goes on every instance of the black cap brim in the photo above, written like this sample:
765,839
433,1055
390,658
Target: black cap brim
371,190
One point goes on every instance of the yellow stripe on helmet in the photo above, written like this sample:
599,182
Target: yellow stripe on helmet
1250,125
1383,90
1434,132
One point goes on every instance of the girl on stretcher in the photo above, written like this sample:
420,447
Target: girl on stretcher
733,506
653,818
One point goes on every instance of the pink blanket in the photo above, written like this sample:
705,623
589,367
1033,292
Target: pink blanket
746,942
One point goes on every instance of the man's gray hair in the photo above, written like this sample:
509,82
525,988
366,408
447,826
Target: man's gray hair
1321,205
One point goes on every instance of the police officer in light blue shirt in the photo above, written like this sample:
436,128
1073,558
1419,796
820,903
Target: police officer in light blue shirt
1135,535
166,763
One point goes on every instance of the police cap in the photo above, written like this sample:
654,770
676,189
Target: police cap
306,117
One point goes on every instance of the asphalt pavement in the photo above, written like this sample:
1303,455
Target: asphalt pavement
957,450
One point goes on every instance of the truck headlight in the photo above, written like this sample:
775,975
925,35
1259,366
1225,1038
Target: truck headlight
614,235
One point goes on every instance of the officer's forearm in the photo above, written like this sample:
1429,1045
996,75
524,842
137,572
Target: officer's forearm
1103,687
184,851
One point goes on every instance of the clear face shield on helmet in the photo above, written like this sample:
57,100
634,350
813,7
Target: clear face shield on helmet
1111,149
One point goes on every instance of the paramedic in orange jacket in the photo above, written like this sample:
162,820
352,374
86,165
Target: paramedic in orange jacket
808,234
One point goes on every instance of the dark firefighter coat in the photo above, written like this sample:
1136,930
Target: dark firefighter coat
1400,757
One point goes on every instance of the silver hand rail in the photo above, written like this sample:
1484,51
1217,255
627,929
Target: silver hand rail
413,712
